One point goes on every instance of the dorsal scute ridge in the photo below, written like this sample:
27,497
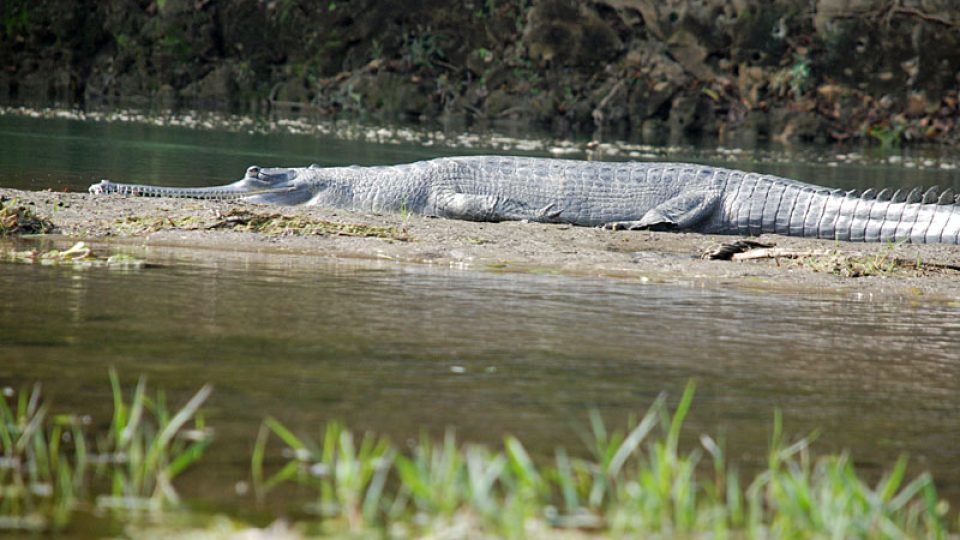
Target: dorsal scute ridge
946,197
930,195
884,194
778,182
914,196
868,194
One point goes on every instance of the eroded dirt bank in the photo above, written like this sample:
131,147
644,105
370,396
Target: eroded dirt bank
502,247
789,70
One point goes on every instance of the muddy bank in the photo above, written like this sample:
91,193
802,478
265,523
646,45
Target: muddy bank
790,70
647,257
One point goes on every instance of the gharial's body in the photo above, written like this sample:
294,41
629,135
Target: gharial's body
614,195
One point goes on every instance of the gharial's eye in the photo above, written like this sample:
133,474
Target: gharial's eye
253,172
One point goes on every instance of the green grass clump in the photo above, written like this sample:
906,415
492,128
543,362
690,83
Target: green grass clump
639,482
348,479
636,483
17,219
48,464
42,463
146,446
882,263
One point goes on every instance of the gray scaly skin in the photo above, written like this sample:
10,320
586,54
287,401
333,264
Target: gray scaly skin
612,195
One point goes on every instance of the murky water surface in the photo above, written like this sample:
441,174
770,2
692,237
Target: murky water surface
402,348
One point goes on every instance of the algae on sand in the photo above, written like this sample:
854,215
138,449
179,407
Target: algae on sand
266,223
17,219
279,224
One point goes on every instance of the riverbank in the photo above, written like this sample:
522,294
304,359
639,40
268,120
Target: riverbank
787,71
800,265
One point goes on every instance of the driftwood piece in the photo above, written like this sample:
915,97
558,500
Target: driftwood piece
780,253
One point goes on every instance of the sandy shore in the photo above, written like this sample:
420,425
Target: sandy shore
502,247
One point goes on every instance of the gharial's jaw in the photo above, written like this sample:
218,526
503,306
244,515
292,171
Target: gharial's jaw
275,186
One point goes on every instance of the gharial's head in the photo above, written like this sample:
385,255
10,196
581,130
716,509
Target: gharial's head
263,185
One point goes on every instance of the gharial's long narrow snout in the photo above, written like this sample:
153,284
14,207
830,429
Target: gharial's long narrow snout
258,185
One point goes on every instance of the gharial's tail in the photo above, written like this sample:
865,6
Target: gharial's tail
797,209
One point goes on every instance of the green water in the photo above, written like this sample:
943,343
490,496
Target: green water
398,348
64,154
71,154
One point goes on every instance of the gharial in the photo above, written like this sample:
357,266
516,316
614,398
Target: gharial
678,196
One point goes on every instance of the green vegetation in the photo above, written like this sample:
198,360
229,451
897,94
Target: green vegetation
272,224
376,49
638,482
281,225
793,80
854,265
882,263
15,16
888,134
147,447
349,480
50,463
423,48
40,477
174,45
17,219
132,225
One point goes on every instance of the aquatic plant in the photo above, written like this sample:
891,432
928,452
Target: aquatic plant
635,482
147,447
48,464
349,479
42,463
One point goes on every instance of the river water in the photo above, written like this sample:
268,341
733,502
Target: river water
401,348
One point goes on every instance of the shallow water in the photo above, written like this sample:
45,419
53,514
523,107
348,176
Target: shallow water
403,348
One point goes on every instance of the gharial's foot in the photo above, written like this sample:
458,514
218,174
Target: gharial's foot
726,251
624,226
641,225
